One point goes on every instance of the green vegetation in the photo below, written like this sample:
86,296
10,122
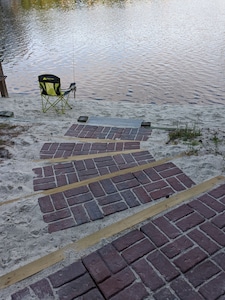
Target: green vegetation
185,134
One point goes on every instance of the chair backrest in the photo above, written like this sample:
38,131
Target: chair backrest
49,85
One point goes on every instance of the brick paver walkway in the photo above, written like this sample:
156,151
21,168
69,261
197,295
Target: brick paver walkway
56,150
56,175
178,255
102,198
114,133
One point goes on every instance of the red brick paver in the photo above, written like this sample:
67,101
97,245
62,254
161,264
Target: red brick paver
102,198
65,173
161,260
114,133
56,150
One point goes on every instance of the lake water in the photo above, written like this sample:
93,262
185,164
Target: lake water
147,51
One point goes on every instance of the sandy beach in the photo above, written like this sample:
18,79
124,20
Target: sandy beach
23,234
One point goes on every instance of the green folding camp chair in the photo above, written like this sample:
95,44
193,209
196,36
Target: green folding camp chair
52,95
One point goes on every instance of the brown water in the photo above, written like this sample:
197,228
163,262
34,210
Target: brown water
147,51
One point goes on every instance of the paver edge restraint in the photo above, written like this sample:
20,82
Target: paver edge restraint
94,179
118,227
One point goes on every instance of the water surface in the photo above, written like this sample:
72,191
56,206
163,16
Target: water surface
147,51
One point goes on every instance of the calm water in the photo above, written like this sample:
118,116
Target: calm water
147,51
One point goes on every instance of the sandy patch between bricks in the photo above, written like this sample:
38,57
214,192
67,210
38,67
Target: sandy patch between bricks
23,234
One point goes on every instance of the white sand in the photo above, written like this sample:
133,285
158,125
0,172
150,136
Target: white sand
23,233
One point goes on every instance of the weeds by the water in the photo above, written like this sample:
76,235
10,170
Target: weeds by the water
184,134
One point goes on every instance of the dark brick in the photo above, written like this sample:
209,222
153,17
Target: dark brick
203,241
122,178
220,260
204,210
45,186
45,204
142,195
93,211
79,165
48,171
54,216
166,192
152,174
165,166
22,294
80,199
109,199
113,208
76,288
80,214
148,275
129,184
167,227
218,192
108,186
96,266
156,236
214,288
83,175
163,265
61,180
119,159
157,185
164,294
211,202
67,274
37,172
128,239
190,221
89,163
42,289
184,291
96,189
141,177
176,247
93,294
130,198
189,259
117,282
171,172
60,225
201,273
136,291
179,212
185,180
215,233
77,191
176,184
219,220
72,177
58,201
137,251
112,258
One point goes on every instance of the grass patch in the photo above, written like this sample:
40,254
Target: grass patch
184,134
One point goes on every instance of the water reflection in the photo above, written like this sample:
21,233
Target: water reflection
153,51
